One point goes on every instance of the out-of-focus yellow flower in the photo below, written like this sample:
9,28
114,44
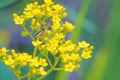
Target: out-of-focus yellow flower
83,44
43,62
52,45
34,71
22,58
62,49
42,71
65,57
35,25
34,62
56,25
68,26
10,62
59,36
29,7
64,15
48,2
86,54
19,20
75,57
27,15
69,67
3,52
36,43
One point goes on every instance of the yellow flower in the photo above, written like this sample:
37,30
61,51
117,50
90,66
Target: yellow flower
42,71
62,49
29,7
67,43
52,45
65,57
10,62
86,54
64,15
34,71
3,52
58,8
83,44
34,62
48,2
36,12
27,15
59,36
75,57
19,20
76,49
68,26
69,67
22,58
36,43
43,62
71,47
56,25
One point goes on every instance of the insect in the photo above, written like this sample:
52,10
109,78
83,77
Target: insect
41,30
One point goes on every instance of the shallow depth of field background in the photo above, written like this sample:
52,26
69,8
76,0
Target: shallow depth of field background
96,21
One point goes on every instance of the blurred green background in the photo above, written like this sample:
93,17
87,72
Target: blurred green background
96,21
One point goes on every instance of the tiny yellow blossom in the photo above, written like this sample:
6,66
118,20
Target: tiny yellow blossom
29,7
59,36
71,47
19,20
27,15
34,62
36,43
3,52
86,54
65,57
69,67
34,71
83,44
56,25
75,57
43,62
42,71
10,62
64,15
52,45
48,2
35,25
68,26
62,49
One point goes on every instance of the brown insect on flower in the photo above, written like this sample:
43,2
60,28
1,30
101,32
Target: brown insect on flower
42,30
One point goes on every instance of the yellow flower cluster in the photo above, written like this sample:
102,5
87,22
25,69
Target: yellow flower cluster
52,37
48,33
18,60
87,49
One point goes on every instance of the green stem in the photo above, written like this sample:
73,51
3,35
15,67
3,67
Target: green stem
56,62
29,33
48,72
52,67
24,76
35,51
48,60
29,75
18,77
58,69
